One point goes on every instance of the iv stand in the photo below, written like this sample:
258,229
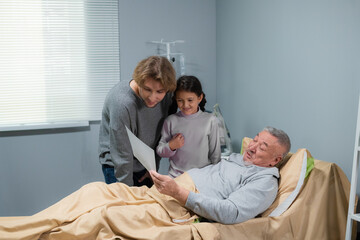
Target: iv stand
171,56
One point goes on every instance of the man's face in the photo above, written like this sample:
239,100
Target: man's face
264,150
152,92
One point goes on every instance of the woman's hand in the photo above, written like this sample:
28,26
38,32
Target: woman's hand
146,175
177,142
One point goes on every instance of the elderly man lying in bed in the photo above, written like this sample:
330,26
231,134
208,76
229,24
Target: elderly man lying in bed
229,192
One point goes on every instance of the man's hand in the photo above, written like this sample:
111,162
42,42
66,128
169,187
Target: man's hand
166,185
176,142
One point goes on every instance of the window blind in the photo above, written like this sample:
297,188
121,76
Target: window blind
58,60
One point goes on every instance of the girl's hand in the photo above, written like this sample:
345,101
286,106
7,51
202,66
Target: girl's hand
177,142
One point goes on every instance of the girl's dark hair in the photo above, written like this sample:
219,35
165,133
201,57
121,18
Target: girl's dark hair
188,84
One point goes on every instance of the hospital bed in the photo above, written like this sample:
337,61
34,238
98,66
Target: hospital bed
311,203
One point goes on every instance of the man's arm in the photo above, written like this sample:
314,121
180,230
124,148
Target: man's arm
166,185
241,205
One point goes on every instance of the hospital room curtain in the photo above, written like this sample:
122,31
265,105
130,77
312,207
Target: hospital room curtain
58,59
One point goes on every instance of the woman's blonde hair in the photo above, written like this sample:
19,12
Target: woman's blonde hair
157,68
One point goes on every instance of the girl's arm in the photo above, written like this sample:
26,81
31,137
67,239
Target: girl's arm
163,148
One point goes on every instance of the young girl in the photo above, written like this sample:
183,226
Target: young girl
190,137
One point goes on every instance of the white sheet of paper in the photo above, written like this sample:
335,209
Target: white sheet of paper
142,152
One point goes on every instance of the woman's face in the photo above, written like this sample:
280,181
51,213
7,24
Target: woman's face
188,102
152,92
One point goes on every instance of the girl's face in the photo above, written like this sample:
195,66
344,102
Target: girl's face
188,102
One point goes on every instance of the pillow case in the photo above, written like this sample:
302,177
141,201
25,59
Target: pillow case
293,172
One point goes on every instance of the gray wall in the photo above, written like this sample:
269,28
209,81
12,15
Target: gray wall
40,167
142,21
292,65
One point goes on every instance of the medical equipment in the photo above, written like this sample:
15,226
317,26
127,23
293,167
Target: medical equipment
176,58
225,140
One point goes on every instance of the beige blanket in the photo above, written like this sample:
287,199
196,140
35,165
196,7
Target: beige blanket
96,211
115,211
